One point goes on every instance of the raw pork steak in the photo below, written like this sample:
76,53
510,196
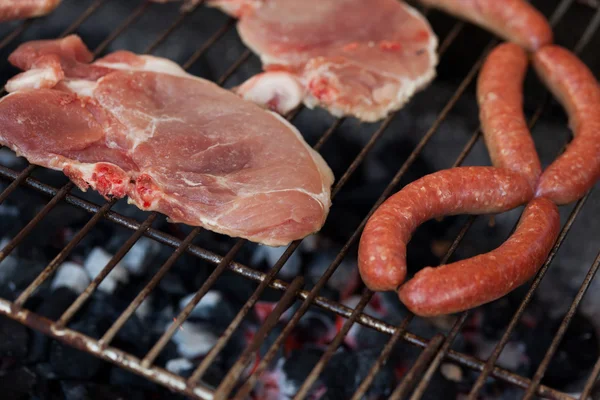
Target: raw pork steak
19,9
363,58
140,126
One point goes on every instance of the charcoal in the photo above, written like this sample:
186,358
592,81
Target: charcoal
70,363
347,370
13,342
123,378
214,307
576,354
92,391
299,364
17,384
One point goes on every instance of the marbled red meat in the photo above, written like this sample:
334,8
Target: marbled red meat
352,57
140,126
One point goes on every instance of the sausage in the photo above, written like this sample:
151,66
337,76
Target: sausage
514,20
500,98
470,190
469,283
576,171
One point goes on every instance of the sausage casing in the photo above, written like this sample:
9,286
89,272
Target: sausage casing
468,283
574,172
462,190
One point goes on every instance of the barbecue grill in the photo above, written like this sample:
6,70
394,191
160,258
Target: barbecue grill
434,350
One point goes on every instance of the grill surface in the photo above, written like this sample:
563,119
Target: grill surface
434,351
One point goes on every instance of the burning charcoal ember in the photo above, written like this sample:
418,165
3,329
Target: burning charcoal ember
270,255
13,343
194,339
359,336
316,326
347,369
70,363
297,367
96,261
18,384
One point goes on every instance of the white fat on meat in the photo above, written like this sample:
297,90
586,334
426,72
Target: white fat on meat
21,9
141,127
353,57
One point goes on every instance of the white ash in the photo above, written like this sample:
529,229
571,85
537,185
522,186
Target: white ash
139,256
178,365
9,211
9,263
72,276
8,158
96,261
290,269
194,340
209,301
145,308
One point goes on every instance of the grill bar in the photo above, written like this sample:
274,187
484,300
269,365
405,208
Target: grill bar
516,317
539,374
236,370
25,231
331,269
164,339
382,359
62,256
83,297
583,41
176,24
173,381
134,16
322,302
417,369
112,331
589,384
317,369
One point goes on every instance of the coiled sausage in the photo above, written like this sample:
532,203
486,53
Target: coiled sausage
500,98
462,190
514,20
468,283
572,174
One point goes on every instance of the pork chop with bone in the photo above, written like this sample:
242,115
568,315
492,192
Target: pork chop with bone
140,126
353,57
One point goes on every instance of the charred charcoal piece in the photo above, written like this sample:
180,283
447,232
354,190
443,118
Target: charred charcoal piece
13,342
92,391
122,378
69,281
576,354
346,371
70,363
297,367
17,384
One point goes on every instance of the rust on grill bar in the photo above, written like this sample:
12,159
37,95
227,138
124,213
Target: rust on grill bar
417,369
435,350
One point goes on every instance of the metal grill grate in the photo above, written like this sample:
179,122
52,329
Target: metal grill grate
435,350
